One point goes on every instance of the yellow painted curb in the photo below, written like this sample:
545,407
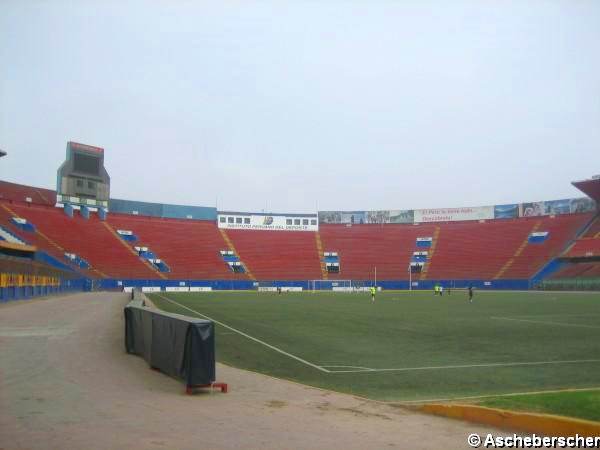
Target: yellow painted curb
545,424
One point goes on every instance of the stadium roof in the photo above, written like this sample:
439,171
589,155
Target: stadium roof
2,153
590,187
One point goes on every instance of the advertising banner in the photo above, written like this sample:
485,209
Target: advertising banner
558,206
584,204
454,214
555,207
391,216
275,222
361,217
351,217
506,211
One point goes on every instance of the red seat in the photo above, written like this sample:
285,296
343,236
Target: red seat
278,255
19,192
89,239
189,247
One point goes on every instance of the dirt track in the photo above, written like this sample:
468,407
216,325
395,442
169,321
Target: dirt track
67,383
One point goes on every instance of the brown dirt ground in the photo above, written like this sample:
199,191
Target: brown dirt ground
67,383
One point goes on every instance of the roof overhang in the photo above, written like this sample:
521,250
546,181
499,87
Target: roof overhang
590,187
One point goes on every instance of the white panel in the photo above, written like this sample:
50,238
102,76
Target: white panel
454,214
283,289
266,222
539,234
177,289
351,289
9,237
200,289
150,288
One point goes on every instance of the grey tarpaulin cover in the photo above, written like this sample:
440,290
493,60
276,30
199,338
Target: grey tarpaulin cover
180,346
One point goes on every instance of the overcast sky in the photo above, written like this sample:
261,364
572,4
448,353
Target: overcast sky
293,105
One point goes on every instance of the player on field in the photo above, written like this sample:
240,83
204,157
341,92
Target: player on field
470,294
373,291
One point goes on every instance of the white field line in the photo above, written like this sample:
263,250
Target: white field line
252,338
542,316
470,366
360,369
478,397
543,322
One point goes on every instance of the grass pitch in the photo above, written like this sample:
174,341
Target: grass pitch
407,346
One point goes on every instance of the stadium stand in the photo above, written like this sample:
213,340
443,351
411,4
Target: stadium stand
19,192
272,255
561,230
594,230
588,244
361,248
191,248
584,248
89,238
464,250
579,270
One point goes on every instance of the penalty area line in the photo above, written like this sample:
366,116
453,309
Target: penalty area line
247,336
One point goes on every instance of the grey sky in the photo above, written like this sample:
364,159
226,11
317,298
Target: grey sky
283,104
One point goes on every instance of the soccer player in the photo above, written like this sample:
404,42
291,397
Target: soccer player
470,294
373,291
441,290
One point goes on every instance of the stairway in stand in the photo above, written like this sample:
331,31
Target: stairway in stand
434,240
232,248
321,255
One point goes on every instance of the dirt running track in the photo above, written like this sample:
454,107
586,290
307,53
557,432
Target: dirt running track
67,383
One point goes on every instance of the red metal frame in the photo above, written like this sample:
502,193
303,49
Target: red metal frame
190,388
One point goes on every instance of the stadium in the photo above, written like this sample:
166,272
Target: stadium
358,226
275,285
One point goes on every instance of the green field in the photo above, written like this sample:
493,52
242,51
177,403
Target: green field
407,346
